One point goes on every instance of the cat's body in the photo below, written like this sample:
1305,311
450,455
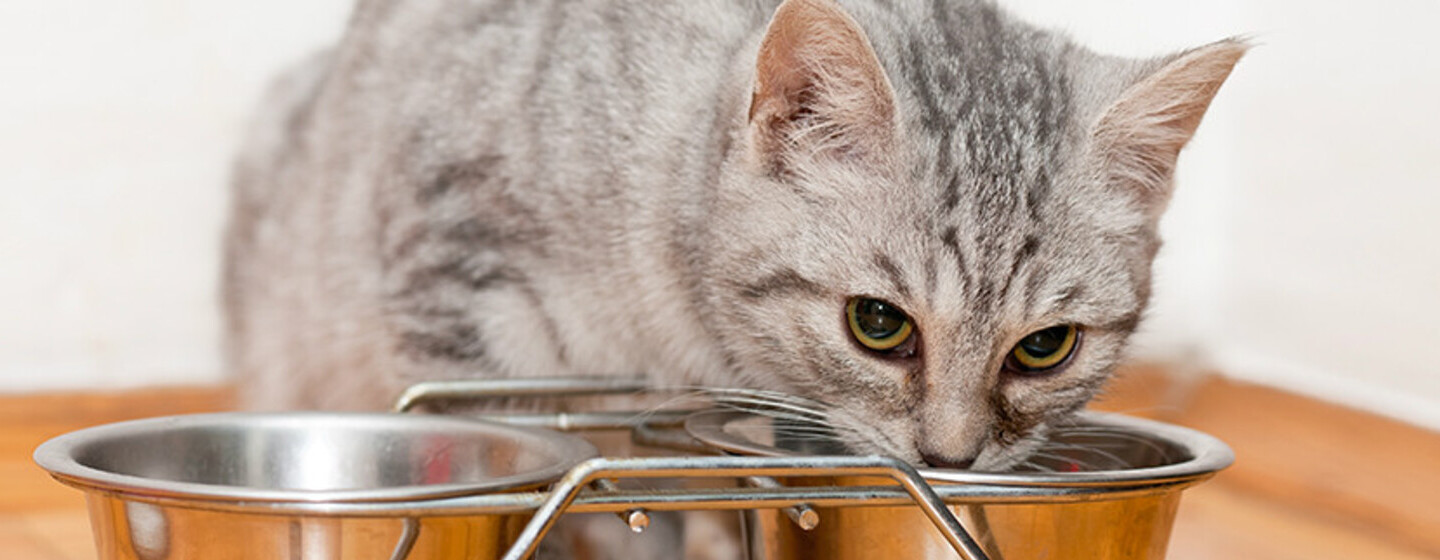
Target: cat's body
625,187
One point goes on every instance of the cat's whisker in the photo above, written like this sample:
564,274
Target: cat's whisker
799,428
1083,447
861,431
792,417
767,407
672,403
776,398
689,397
760,394
1124,438
778,416
1104,456
1035,466
810,438
766,403
779,429
1081,463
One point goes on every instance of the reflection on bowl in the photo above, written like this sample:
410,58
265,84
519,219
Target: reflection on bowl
230,485
1105,488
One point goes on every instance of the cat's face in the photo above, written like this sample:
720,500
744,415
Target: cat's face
948,283
946,336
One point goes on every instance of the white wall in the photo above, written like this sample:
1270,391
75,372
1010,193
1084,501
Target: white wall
1333,285
118,122
1300,239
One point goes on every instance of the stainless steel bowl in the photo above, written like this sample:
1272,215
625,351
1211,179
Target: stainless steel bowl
1105,489
219,486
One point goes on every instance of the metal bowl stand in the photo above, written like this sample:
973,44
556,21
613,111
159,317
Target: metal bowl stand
590,486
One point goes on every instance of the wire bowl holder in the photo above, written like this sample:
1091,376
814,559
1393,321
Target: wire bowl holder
588,487
425,486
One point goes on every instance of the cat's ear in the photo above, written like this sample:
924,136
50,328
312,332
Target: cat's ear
1140,135
819,89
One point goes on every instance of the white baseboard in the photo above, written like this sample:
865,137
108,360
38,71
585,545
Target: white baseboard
1257,367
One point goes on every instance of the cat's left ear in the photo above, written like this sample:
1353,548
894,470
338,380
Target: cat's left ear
819,89
1140,135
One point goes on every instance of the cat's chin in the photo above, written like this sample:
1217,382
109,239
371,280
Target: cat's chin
1000,460
1005,460
996,457
993,457
870,448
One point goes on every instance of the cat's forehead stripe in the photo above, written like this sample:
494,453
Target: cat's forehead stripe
950,242
786,282
893,273
1023,255
992,98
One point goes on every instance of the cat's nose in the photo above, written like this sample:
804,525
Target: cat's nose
943,462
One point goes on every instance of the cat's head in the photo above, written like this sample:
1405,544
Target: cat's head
944,235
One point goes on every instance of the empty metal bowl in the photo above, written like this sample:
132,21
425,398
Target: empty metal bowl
243,485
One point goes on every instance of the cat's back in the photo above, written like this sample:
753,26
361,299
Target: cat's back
531,86
440,142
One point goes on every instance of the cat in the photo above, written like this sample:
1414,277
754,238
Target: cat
930,221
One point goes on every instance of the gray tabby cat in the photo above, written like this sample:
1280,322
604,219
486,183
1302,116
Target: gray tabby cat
930,221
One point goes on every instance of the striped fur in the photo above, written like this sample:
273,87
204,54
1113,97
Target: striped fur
611,187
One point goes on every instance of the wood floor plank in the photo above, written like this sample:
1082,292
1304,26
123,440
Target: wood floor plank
26,421
1218,520
18,542
64,533
1372,474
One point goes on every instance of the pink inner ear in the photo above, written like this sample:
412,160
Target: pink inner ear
1143,132
816,65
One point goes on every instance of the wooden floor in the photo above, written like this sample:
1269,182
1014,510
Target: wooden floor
40,519
1312,481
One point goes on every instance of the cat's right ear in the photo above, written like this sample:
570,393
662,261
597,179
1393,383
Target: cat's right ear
820,91
1141,134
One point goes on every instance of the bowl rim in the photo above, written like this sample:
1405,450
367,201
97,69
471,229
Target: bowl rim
59,456
1207,454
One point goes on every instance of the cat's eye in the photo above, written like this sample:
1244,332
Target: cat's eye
878,325
1043,350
